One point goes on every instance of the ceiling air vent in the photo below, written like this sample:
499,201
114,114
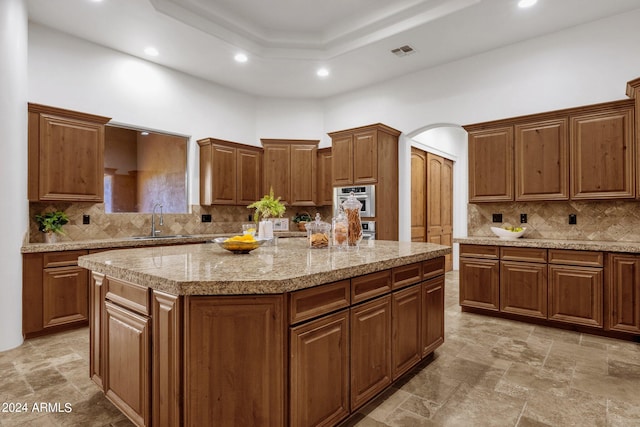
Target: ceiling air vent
403,51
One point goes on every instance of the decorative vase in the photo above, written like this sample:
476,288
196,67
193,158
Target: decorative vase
50,237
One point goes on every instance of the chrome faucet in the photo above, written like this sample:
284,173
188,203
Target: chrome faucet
154,232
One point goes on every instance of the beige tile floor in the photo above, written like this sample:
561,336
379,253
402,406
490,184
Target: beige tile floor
489,372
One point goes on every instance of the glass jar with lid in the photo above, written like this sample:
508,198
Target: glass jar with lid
318,233
351,208
339,230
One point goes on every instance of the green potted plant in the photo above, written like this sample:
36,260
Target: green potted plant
50,223
267,207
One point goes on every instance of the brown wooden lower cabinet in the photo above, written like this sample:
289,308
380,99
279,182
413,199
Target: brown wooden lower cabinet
432,327
406,316
623,293
370,349
575,295
319,371
523,288
480,283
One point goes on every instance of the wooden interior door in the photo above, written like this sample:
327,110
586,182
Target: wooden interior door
418,195
440,203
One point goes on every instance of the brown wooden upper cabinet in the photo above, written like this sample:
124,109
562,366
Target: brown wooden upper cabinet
230,173
356,154
542,160
290,169
491,165
582,153
325,193
602,152
66,150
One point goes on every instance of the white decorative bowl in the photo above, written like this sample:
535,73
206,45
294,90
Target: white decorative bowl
506,234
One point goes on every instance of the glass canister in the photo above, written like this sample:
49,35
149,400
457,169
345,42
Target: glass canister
351,208
339,230
318,233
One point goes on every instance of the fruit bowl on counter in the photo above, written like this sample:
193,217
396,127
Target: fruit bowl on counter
240,244
508,232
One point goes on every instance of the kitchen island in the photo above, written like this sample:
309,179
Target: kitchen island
195,335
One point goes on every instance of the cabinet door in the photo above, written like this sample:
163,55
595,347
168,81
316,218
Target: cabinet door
432,315
523,288
325,179
342,160
71,166
602,162
303,175
365,157
319,371
249,176
223,174
575,295
370,349
418,195
65,295
96,331
623,283
491,165
277,170
406,308
542,160
127,367
480,283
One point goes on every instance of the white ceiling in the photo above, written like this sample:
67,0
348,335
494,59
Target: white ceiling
287,40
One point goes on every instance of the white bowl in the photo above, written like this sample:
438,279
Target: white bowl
506,234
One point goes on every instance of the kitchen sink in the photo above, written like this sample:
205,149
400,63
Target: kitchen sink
162,236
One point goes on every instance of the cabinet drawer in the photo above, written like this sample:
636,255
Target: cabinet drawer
406,275
370,285
571,257
432,268
129,295
61,259
313,302
480,251
523,254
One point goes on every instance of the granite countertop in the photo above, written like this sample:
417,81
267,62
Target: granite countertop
131,242
583,245
207,269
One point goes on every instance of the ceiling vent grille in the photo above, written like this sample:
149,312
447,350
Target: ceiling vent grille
403,51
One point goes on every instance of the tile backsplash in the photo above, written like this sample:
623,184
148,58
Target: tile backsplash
596,220
225,219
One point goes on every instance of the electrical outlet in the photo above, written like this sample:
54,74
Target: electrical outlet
206,217
523,218
250,218
497,217
573,219
86,219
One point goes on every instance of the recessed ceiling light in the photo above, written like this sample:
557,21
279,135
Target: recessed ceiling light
144,133
527,3
151,51
322,72
241,57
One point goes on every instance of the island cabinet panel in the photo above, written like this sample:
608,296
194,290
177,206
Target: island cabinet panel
432,327
491,165
96,329
523,288
623,293
542,160
406,309
317,301
319,371
66,152
480,283
602,153
166,359
370,349
406,275
236,379
230,173
370,286
324,195
576,295
127,381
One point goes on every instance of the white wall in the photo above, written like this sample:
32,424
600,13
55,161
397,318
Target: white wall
290,119
13,166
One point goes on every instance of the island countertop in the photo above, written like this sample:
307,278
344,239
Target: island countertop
207,269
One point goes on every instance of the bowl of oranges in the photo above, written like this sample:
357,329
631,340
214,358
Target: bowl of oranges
240,244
